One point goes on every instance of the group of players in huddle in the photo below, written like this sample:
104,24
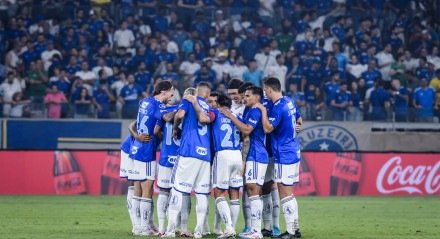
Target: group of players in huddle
204,141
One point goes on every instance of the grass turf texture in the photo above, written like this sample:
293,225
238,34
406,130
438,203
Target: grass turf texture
320,217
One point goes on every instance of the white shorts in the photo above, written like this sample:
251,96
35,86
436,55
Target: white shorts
255,172
287,174
269,171
227,170
141,171
191,173
123,167
164,177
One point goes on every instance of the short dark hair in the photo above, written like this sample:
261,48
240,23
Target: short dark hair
214,94
224,100
244,87
256,91
204,84
273,83
162,86
235,84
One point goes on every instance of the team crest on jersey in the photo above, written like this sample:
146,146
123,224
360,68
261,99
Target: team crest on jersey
327,137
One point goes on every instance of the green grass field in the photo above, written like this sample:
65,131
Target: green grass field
320,217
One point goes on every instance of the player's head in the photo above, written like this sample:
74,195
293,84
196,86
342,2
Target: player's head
190,91
224,101
164,91
213,98
253,95
203,89
233,87
243,89
272,87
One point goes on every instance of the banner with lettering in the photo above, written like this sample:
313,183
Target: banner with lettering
323,174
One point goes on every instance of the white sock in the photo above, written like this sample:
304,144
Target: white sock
218,219
135,210
184,213
235,211
174,208
130,192
289,213
162,205
151,219
246,210
201,209
206,223
276,208
224,212
296,218
256,210
145,208
267,211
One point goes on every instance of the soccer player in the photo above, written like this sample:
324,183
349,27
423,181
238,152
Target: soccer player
257,158
227,171
192,169
123,168
143,171
168,156
283,122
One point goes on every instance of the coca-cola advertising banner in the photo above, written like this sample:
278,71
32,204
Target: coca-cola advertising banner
323,174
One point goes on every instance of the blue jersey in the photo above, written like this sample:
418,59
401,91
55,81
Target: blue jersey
283,118
257,149
170,145
195,141
125,146
148,114
225,134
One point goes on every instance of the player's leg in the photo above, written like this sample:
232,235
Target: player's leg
235,183
245,198
254,181
202,188
184,216
288,175
164,183
267,208
123,173
275,210
146,204
135,210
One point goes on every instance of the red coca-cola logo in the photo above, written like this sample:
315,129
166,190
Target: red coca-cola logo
394,177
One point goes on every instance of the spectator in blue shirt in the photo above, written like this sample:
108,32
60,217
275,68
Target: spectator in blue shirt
380,102
101,99
253,75
297,96
330,88
170,75
424,102
400,100
82,104
129,97
371,74
423,72
249,46
341,103
142,76
310,98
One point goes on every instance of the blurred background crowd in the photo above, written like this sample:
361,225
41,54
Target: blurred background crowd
345,60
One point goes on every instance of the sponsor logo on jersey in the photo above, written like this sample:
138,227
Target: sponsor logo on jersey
327,137
144,104
252,121
201,150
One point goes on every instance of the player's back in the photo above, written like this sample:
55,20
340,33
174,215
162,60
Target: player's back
225,134
170,145
148,114
195,140
284,116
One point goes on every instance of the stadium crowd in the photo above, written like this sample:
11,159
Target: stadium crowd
338,59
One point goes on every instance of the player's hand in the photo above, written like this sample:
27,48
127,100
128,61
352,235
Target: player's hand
261,107
144,138
225,112
190,98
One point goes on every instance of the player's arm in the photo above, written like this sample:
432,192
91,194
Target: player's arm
168,117
245,129
298,125
204,118
140,137
177,121
267,126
